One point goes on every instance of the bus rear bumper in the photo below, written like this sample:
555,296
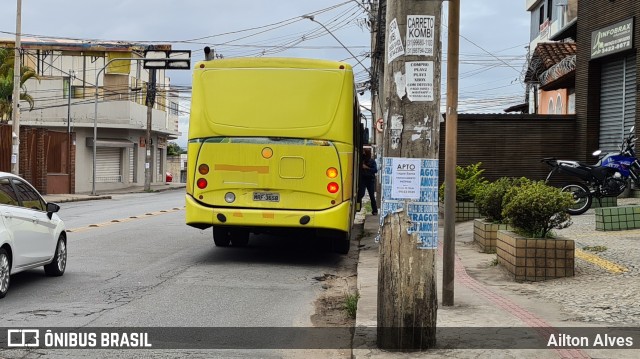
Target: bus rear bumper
200,216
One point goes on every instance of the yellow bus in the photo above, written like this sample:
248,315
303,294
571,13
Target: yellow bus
274,143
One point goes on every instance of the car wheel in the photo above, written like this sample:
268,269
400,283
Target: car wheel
59,263
5,272
221,236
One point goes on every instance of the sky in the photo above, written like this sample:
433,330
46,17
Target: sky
493,43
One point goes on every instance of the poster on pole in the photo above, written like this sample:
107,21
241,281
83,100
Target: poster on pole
395,48
419,80
411,185
406,178
420,34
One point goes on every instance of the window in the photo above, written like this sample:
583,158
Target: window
30,198
549,9
541,15
559,105
7,194
551,109
173,108
79,92
65,88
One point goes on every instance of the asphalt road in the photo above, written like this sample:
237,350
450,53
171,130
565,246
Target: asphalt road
132,262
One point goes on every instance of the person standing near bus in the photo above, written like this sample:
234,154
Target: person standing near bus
368,170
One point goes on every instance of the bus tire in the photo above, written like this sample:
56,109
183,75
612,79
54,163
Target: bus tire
240,238
221,236
341,244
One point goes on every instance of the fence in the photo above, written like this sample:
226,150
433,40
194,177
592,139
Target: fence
512,145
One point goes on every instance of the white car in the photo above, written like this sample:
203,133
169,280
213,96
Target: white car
31,233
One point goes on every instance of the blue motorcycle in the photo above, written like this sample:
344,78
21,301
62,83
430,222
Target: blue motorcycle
607,178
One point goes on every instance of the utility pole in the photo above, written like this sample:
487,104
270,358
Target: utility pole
69,146
450,158
17,66
407,297
151,99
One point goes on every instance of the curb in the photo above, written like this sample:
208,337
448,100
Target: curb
81,199
63,198
364,339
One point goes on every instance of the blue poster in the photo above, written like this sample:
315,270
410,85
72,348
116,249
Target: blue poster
423,211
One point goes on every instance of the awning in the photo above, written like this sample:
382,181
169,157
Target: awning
110,142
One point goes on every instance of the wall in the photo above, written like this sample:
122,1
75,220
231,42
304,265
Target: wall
512,145
176,164
545,96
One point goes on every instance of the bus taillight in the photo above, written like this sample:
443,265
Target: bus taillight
203,169
332,172
333,187
202,183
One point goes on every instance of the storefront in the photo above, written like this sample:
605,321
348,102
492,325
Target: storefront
606,74
611,48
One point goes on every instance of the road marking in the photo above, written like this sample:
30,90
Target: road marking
600,262
122,220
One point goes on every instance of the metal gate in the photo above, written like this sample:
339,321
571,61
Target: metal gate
132,164
108,164
159,176
617,101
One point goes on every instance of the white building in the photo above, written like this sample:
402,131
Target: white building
77,68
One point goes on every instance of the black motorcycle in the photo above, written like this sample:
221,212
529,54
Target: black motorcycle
607,178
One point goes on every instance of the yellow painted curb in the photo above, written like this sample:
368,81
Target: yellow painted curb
122,220
600,262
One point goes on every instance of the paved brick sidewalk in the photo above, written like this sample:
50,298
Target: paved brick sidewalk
486,298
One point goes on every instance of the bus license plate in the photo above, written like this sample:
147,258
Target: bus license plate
266,196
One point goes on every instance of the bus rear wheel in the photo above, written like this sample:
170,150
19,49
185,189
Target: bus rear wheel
240,237
340,244
221,236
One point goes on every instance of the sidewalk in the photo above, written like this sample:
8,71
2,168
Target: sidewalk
107,194
486,300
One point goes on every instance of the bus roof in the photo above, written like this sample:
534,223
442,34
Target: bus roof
273,97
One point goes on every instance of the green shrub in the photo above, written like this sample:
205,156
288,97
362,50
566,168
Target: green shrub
489,199
534,209
468,180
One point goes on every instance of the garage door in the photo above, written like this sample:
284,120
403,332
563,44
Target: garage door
159,176
617,101
132,166
108,166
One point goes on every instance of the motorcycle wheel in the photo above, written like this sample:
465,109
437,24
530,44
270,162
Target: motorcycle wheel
581,196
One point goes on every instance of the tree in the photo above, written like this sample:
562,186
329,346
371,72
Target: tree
6,84
173,149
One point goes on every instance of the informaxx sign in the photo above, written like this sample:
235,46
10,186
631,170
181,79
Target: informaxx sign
612,39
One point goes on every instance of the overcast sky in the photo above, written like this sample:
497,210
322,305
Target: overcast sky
494,34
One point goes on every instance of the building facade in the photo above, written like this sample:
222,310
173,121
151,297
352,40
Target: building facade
606,75
70,74
552,57
605,79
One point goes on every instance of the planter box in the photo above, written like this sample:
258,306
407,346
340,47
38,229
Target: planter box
618,218
604,202
466,211
485,234
530,259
